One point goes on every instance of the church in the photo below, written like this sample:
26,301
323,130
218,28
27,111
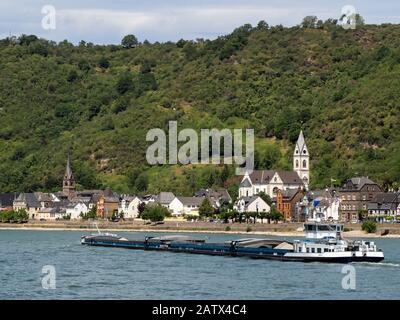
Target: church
68,190
270,181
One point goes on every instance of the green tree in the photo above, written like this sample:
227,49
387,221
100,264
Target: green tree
91,214
262,25
274,215
141,182
129,41
141,208
125,83
309,22
369,226
155,213
206,209
104,63
265,197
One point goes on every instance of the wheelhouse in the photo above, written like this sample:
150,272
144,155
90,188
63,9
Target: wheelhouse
321,231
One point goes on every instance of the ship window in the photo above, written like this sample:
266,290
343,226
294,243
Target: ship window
319,250
325,250
312,250
308,250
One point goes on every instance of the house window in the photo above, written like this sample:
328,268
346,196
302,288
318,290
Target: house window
297,163
304,164
354,197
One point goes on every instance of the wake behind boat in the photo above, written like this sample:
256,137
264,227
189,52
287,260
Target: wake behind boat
323,243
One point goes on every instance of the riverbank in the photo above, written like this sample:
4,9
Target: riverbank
176,226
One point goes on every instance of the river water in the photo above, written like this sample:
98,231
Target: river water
83,272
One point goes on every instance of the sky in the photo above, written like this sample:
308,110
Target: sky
106,22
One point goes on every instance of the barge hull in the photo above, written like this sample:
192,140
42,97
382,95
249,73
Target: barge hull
223,250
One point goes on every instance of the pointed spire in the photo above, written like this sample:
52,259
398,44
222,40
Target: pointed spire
68,170
301,141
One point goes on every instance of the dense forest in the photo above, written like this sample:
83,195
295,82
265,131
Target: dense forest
342,87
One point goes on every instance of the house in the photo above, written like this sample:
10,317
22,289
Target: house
384,205
324,205
302,210
355,195
286,201
129,205
148,198
216,196
28,202
185,206
51,213
269,181
45,200
165,198
107,204
6,201
251,204
76,209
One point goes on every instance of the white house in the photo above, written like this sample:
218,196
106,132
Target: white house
251,204
49,213
75,209
165,198
185,205
324,207
129,205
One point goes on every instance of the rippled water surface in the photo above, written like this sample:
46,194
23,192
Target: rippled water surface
84,272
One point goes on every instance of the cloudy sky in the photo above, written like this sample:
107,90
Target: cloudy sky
104,22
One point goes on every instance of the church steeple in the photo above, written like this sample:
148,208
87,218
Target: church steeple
69,180
301,159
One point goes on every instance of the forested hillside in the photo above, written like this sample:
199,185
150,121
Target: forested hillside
342,87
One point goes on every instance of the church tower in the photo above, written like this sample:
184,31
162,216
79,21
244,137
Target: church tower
301,160
69,181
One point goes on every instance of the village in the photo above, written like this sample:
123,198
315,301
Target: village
282,196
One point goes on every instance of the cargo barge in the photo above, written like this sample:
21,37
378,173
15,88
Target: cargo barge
323,243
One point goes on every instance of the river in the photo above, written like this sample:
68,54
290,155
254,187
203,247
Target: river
83,272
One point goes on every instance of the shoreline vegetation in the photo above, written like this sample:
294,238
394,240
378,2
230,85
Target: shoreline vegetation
179,226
